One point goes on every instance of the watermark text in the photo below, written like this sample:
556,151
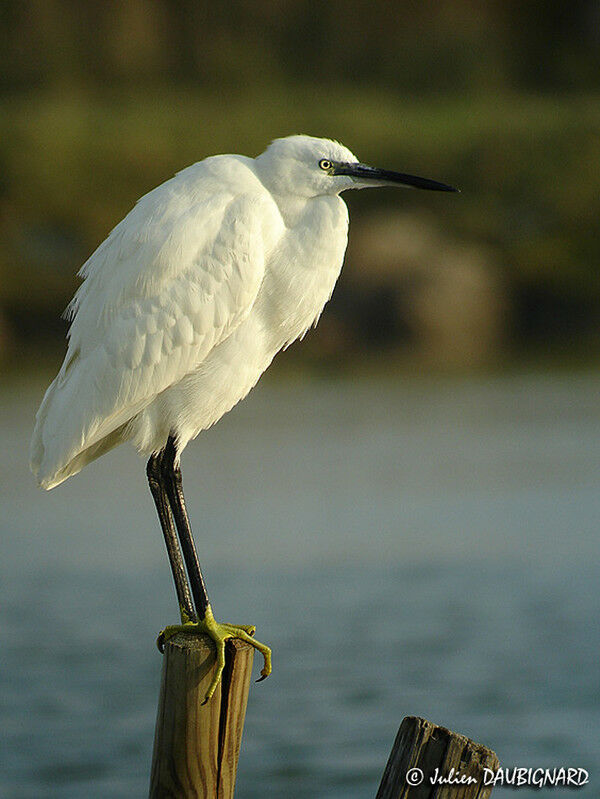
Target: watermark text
514,777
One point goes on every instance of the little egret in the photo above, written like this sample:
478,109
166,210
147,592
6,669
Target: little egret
180,311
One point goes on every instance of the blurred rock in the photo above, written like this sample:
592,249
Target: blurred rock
408,284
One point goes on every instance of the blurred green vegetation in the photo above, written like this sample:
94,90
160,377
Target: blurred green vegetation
101,102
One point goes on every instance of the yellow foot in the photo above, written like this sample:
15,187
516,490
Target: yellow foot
219,634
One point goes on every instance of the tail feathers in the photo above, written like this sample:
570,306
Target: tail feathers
37,449
67,436
40,451
53,477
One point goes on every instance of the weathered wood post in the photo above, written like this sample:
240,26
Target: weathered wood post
423,752
196,746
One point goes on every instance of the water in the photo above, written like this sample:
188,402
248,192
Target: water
422,547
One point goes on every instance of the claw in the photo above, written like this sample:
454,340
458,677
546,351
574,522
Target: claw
266,670
219,634
168,633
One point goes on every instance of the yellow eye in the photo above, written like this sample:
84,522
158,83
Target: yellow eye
325,164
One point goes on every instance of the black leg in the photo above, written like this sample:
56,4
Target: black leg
170,481
174,487
155,481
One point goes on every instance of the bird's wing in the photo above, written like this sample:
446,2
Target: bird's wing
173,279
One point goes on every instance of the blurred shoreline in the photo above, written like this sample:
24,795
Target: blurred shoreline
32,364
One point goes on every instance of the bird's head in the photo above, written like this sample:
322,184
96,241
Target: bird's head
305,166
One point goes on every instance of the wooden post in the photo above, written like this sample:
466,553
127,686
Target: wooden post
422,747
196,746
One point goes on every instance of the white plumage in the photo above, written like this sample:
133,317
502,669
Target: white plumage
188,300
190,297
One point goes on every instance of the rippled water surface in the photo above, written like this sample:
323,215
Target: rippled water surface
414,547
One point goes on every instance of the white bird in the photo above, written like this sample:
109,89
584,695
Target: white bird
181,310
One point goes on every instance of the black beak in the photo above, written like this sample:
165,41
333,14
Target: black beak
384,177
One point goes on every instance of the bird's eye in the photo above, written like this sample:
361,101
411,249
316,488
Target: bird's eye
325,164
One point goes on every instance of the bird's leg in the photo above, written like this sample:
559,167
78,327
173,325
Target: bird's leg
172,481
186,606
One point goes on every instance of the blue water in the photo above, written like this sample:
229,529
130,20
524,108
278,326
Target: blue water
423,547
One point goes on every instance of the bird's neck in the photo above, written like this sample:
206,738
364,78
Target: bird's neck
292,208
